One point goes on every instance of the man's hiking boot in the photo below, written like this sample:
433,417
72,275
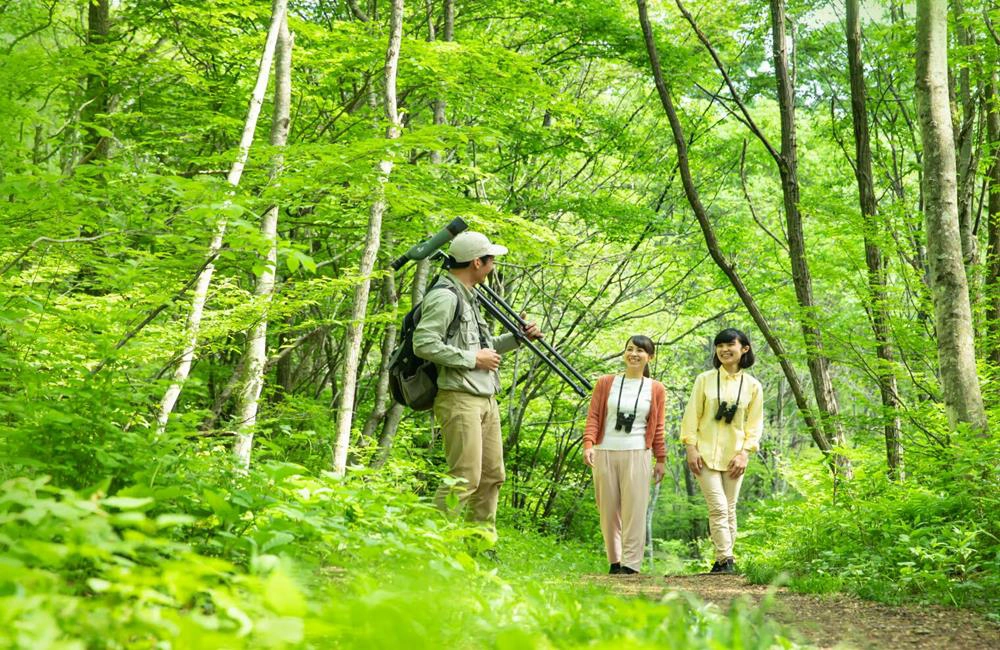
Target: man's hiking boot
627,571
616,568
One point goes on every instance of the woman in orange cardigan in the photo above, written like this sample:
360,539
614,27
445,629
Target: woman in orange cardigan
624,423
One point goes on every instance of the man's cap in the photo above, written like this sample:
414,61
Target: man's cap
469,245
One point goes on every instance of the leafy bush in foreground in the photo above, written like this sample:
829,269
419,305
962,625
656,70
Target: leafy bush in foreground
934,537
281,559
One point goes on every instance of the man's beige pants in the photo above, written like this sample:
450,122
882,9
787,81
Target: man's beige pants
721,493
621,485
470,426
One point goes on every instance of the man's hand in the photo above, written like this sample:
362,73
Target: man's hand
738,465
694,461
588,457
531,330
487,359
658,471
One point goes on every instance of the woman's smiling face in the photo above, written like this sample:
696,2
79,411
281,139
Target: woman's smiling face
635,357
731,352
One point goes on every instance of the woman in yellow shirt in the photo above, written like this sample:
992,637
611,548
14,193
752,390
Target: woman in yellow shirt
721,429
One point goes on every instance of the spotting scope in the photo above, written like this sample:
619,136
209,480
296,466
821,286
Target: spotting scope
430,246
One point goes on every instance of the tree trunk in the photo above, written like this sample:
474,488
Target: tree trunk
965,121
96,99
355,329
819,365
449,35
873,253
993,214
819,436
278,9
255,357
381,406
422,268
390,424
949,285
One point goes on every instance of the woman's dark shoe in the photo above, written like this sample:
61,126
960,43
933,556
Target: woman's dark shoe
724,567
616,568
627,571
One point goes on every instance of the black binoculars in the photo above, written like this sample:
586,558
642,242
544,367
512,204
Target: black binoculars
624,421
727,411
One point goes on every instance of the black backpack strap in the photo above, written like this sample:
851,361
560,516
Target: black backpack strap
456,320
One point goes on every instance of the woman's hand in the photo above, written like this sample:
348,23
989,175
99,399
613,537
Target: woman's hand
694,461
658,471
738,465
588,457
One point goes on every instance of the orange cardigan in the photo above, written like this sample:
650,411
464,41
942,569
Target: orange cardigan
593,433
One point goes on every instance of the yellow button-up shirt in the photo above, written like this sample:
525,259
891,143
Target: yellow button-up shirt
717,441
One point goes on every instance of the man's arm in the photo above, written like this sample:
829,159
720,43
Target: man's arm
505,343
429,337
509,341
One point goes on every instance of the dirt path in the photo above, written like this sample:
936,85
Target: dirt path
831,621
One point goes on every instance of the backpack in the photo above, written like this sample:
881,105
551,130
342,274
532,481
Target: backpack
412,380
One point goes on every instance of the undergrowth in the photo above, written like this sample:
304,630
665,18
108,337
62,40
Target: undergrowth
193,556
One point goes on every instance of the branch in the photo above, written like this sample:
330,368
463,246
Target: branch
38,241
729,83
989,26
32,32
356,10
156,312
746,195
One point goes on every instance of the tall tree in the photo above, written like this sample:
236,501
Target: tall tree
255,356
949,285
192,331
786,159
993,211
965,121
691,192
97,101
819,364
384,412
873,253
355,327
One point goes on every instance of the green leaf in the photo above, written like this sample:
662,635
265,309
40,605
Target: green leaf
127,503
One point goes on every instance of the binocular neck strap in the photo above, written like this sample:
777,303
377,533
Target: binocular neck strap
718,387
635,407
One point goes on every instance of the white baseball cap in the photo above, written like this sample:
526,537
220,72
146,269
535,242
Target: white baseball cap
469,245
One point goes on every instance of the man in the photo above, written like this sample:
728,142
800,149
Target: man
468,381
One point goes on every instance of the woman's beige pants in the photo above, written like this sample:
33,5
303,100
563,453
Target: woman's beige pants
721,493
621,484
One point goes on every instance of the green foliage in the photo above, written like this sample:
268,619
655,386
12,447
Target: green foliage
282,559
555,144
934,537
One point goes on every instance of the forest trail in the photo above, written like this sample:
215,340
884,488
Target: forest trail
831,620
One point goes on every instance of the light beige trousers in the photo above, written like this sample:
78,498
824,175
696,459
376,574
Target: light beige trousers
470,426
721,493
621,485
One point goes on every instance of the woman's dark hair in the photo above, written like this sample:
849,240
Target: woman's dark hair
729,335
646,344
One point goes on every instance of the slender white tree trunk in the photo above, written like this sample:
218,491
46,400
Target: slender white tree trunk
255,357
355,328
394,414
205,278
949,285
